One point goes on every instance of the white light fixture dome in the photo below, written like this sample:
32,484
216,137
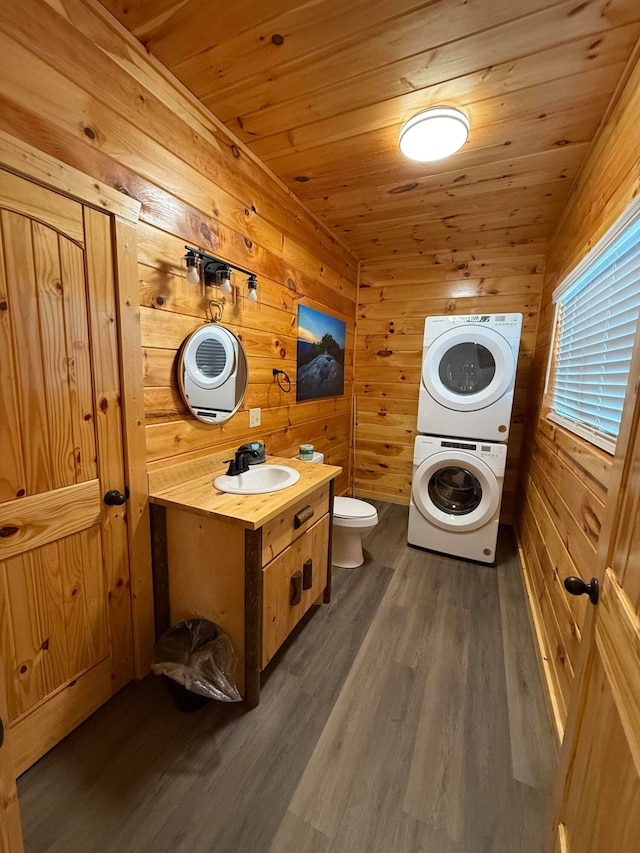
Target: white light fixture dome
433,134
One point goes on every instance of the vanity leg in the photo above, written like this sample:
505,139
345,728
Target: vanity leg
160,568
252,616
326,596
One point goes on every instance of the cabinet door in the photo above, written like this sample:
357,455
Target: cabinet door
284,601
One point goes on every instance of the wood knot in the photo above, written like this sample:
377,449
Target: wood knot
301,179
45,645
8,530
90,132
277,39
235,151
104,405
405,188
4,305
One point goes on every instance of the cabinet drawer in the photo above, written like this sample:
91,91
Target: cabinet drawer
282,531
283,580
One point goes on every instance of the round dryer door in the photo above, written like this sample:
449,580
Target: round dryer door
468,368
456,491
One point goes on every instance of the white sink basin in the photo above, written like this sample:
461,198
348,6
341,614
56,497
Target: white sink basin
258,480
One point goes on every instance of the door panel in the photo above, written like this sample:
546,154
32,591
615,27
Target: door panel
108,417
76,327
65,606
10,828
597,800
603,810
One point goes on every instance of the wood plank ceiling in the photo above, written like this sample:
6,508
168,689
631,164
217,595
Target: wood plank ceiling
319,90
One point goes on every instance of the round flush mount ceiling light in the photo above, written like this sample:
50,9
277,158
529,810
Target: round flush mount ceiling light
433,134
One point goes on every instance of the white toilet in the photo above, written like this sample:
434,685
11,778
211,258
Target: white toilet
351,517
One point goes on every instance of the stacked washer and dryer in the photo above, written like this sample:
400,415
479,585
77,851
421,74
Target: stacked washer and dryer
464,412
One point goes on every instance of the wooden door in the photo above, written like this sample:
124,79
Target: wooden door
65,606
10,828
597,801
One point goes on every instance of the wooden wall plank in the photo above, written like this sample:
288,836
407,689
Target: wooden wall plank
565,472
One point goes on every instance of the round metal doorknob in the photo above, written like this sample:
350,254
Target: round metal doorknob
115,498
576,586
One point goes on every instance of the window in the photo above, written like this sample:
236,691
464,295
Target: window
596,318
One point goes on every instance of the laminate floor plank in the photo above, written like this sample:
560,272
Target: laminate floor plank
406,717
533,751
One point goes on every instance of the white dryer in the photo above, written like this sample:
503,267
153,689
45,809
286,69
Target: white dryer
455,496
468,375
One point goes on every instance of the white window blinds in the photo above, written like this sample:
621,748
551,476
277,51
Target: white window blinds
597,315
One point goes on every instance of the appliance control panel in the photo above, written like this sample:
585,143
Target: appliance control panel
484,450
506,322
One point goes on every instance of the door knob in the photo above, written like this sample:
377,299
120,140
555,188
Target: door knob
115,498
576,586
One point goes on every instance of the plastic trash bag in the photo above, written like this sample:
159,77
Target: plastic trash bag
199,656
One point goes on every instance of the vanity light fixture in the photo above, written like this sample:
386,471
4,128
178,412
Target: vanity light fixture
433,134
217,272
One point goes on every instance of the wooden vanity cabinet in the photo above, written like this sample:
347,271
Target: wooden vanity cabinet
291,583
255,583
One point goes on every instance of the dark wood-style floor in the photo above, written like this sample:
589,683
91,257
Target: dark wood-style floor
407,716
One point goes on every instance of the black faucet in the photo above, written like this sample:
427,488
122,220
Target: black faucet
240,465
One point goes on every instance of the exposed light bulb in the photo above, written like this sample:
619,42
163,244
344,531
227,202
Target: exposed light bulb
252,284
225,280
193,274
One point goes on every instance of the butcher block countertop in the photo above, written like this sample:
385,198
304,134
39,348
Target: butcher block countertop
189,486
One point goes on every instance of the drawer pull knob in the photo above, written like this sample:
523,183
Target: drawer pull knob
307,574
296,589
301,517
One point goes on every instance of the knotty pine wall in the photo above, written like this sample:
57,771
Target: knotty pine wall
395,297
564,481
77,86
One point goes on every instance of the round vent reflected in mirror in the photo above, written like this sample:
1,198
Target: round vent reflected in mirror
212,373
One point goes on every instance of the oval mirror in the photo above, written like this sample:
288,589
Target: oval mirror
212,373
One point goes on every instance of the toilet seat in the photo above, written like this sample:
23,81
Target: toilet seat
352,512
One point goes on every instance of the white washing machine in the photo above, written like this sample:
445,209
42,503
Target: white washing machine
455,496
468,375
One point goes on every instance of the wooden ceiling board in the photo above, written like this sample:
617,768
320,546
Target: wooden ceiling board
320,93
440,41
276,130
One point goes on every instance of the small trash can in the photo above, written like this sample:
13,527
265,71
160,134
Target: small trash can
199,662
